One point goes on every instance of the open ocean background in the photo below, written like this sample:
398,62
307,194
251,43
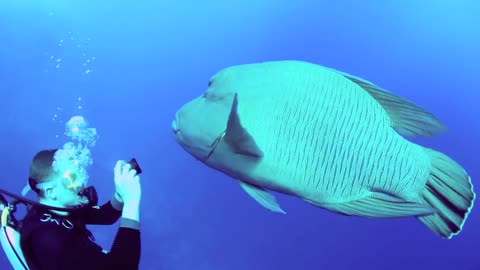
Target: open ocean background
127,66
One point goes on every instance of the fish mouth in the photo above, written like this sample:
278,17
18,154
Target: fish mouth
175,126
207,152
180,140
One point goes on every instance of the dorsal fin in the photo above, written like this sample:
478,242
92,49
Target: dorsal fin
407,118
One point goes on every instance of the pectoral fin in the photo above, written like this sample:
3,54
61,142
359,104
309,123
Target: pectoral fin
262,196
237,137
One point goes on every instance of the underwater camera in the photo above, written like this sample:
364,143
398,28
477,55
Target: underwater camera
134,165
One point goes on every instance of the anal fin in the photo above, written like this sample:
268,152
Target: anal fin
262,196
378,205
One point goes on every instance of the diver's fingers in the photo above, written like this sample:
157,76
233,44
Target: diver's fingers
132,173
136,184
117,168
126,169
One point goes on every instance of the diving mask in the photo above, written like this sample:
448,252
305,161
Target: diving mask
76,183
70,180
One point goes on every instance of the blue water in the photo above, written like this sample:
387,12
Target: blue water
127,66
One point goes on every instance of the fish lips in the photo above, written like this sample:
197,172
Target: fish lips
201,153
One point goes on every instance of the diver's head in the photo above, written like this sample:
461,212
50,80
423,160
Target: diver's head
61,187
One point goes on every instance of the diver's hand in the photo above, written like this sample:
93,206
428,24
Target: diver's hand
118,197
127,183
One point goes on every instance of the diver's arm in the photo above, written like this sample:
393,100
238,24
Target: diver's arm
107,214
117,201
131,215
126,248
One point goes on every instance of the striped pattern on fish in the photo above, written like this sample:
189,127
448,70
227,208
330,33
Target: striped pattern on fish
332,139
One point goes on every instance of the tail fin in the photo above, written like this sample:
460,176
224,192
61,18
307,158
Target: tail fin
450,191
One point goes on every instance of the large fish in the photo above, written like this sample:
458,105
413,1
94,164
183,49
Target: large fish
327,137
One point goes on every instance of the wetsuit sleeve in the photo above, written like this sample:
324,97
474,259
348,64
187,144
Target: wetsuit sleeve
106,214
56,248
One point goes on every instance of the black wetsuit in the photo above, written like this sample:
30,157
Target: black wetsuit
50,241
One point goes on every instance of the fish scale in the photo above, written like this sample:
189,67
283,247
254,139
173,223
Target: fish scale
302,170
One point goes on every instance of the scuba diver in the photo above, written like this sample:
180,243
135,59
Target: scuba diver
53,233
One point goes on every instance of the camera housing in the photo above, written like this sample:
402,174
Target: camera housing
134,165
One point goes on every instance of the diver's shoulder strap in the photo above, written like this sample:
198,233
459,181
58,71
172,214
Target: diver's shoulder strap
11,244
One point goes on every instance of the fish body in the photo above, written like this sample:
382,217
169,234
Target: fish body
332,139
